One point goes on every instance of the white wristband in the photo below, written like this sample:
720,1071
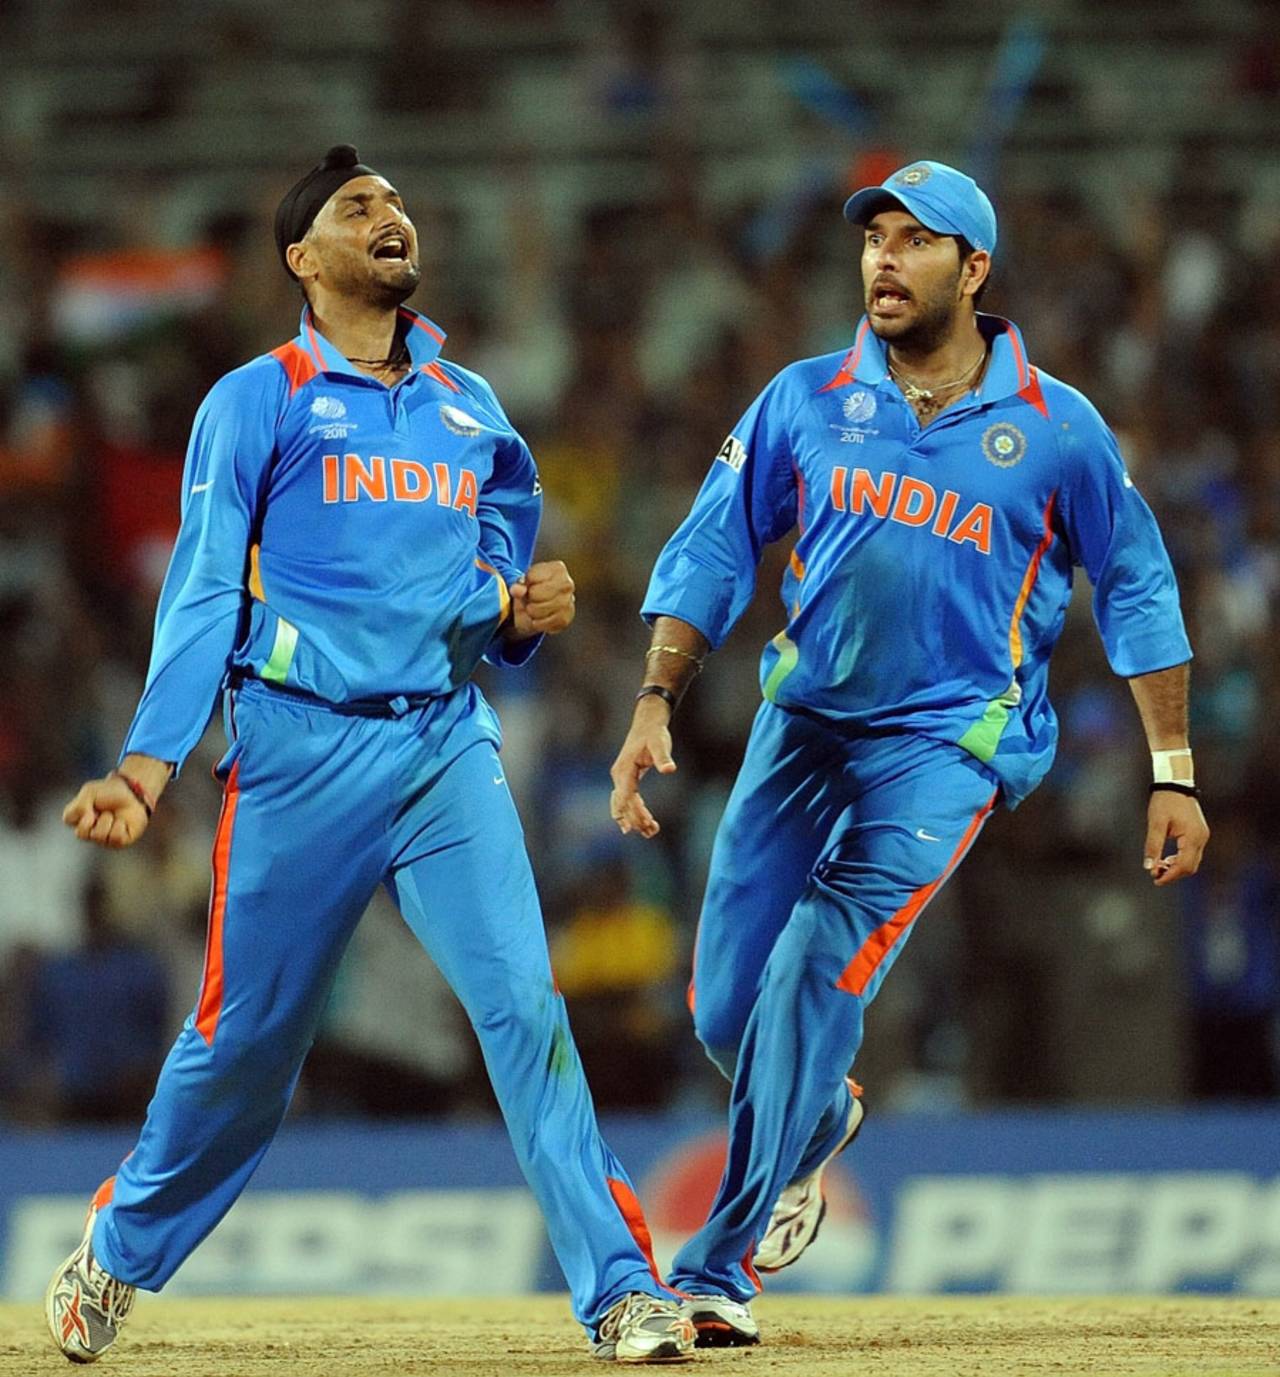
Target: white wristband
1173,767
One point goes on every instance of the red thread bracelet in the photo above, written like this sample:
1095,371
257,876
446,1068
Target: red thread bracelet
137,790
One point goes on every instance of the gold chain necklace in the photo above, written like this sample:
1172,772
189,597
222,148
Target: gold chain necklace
918,396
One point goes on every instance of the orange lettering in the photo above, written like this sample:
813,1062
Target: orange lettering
865,490
467,493
330,477
839,477
443,490
402,471
372,479
946,510
976,527
908,490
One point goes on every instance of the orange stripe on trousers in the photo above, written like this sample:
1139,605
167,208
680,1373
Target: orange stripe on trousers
211,986
857,974
748,1267
629,1208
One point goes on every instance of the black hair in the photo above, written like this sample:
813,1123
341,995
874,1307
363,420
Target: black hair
966,251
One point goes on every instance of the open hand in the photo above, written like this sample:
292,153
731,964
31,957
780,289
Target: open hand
647,747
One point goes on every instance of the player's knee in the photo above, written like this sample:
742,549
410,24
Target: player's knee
724,1059
719,1030
262,1059
520,1015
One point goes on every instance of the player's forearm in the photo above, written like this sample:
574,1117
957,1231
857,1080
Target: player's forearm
1162,699
675,655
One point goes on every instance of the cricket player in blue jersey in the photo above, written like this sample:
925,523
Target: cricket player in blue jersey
358,522
943,489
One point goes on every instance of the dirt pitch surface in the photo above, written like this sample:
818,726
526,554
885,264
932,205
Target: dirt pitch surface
805,1336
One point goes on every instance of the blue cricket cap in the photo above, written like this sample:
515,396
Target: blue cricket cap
942,199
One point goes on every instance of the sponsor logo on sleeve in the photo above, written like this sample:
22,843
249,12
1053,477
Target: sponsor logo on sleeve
734,453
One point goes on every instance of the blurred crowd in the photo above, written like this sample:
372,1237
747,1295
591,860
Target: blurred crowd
625,336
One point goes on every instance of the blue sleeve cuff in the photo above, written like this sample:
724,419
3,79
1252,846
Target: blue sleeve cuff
694,594
510,654
1146,652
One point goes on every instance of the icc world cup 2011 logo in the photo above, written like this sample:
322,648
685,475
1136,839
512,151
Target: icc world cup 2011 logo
859,406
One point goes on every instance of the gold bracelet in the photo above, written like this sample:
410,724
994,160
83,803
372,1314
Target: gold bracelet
672,650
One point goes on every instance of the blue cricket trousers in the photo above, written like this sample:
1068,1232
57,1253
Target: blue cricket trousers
319,808
830,847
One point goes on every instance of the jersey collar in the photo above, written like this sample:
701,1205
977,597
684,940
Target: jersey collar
423,337
1007,375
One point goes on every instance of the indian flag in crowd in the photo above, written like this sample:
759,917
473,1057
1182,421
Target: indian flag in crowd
103,296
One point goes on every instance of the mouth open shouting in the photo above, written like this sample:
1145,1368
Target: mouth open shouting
392,248
888,299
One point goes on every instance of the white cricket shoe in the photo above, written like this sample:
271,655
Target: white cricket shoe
796,1217
85,1305
643,1329
720,1322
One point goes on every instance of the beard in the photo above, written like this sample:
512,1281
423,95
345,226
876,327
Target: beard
930,327
365,280
389,292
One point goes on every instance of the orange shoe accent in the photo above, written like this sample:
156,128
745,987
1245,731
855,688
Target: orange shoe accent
854,1088
73,1322
211,985
857,974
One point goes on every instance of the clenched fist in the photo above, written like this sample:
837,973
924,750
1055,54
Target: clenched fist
105,811
542,601
108,812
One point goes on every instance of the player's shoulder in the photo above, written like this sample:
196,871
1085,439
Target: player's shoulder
477,390
1067,404
802,379
262,382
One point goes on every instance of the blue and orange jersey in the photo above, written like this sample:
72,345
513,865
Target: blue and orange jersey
340,537
933,566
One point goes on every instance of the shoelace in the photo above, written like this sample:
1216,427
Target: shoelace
637,1308
113,1298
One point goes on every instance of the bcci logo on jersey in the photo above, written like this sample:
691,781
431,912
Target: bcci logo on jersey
734,453
457,421
1003,445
